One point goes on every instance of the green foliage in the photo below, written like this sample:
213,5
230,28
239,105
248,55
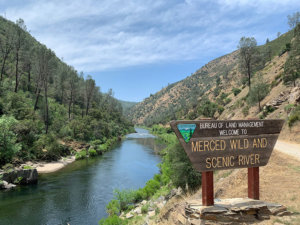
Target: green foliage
27,167
113,220
207,108
258,91
113,208
92,152
81,155
49,100
125,198
145,208
47,148
181,169
8,139
245,110
236,91
294,116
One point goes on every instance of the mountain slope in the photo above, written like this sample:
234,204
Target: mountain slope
209,91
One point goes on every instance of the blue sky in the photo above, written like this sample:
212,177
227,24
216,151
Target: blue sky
136,47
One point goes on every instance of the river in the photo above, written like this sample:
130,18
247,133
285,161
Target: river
78,194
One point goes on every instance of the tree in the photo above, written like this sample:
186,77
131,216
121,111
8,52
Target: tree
293,19
8,139
6,46
259,91
73,87
45,67
248,54
292,65
89,92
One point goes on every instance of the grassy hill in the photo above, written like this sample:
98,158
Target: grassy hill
219,90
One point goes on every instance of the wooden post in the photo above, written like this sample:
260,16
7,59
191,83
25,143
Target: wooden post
207,188
253,183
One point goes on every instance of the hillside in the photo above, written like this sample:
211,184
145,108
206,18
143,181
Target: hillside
127,106
219,90
44,102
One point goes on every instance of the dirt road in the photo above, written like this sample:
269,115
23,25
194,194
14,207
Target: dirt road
288,148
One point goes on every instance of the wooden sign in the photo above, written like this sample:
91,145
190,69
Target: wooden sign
227,144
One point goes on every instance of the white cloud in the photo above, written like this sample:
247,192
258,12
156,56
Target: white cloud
99,35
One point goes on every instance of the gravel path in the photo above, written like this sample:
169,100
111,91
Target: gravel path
288,148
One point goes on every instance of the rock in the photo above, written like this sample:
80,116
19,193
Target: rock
294,96
160,199
129,215
174,192
160,205
138,210
232,211
5,185
144,202
151,213
21,176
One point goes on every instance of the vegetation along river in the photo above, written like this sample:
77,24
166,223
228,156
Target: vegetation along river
79,193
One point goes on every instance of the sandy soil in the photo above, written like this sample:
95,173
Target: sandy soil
291,149
49,167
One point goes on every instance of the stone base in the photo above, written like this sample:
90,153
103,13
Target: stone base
232,211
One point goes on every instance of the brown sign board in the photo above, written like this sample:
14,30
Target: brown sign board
227,144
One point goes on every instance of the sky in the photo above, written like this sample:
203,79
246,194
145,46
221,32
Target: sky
136,47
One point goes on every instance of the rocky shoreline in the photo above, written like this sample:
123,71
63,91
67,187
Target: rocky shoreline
27,173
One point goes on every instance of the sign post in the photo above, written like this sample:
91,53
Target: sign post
228,144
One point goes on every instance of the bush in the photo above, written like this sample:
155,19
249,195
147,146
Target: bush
113,220
181,170
92,152
145,208
47,148
294,116
8,139
236,91
113,208
245,110
81,155
125,198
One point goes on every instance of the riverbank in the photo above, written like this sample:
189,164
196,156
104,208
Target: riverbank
50,167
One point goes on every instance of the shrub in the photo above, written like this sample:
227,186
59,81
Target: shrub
113,208
113,220
125,198
8,139
80,155
294,117
236,91
180,169
145,208
92,152
151,187
27,167
47,147
245,110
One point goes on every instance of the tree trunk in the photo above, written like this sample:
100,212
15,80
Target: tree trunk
17,75
36,99
28,80
3,66
70,104
46,108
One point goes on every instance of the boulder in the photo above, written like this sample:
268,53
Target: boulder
294,96
5,185
21,176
